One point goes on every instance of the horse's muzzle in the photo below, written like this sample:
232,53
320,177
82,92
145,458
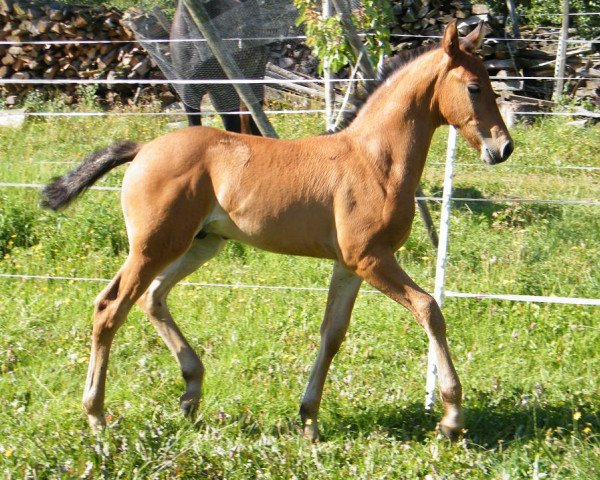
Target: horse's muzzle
492,155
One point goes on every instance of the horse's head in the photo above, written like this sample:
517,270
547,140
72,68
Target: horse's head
466,99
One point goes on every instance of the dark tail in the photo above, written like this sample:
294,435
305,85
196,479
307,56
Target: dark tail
63,190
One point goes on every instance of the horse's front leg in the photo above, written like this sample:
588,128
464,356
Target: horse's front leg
383,272
342,293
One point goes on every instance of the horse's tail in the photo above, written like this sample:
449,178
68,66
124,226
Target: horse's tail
63,190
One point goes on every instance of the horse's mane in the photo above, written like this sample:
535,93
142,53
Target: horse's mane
390,67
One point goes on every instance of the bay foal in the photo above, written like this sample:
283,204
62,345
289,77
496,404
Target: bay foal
348,197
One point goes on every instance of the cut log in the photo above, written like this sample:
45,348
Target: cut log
8,59
51,72
21,76
19,10
56,15
6,6
480,9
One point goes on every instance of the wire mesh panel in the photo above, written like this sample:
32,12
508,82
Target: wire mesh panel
246,27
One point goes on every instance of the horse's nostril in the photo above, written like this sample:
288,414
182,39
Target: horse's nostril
507,150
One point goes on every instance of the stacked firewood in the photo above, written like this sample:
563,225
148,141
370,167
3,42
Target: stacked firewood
536,57
28,26
512,62
427,17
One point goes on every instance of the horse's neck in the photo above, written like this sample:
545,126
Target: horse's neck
396,125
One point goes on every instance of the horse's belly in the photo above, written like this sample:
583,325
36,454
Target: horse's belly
287,234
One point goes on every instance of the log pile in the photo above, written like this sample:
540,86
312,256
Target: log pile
429,17
536,57
28,26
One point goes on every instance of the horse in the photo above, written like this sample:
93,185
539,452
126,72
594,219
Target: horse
195,60
346,196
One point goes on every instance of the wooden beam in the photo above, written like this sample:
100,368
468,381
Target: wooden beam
514,20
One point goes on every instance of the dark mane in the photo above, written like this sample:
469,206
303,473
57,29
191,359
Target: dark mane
391,66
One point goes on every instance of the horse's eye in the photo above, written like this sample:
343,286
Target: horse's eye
473,88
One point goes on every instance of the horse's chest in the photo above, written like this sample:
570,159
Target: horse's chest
397,222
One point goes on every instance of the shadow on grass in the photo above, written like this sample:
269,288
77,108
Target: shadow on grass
488,423
500,213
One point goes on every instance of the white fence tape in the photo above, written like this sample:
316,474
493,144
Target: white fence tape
448,293
222,81
86,41
432,199
209,113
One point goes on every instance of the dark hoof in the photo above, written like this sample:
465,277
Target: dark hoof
189,406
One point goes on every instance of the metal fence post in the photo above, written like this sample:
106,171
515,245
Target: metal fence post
440,269
561,54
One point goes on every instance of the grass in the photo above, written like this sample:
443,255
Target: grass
529,371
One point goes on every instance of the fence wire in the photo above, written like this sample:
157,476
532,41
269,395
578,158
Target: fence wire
275,39
482,296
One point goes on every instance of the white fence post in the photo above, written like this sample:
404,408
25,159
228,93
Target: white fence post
440,269
329,92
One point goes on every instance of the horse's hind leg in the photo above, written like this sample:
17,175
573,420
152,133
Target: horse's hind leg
342,293
154,303
111,309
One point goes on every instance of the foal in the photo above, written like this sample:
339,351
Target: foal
348,197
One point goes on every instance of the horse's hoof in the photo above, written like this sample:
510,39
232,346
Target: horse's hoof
310,431
188,405
450,432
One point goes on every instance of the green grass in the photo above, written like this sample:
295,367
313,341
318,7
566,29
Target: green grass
529,371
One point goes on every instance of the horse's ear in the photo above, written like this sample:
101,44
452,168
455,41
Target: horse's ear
450,41
473,40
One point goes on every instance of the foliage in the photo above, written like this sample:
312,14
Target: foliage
542,12
326,35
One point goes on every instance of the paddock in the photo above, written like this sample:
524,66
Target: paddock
526,230
520,290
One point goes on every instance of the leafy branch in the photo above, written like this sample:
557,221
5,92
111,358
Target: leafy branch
326,36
